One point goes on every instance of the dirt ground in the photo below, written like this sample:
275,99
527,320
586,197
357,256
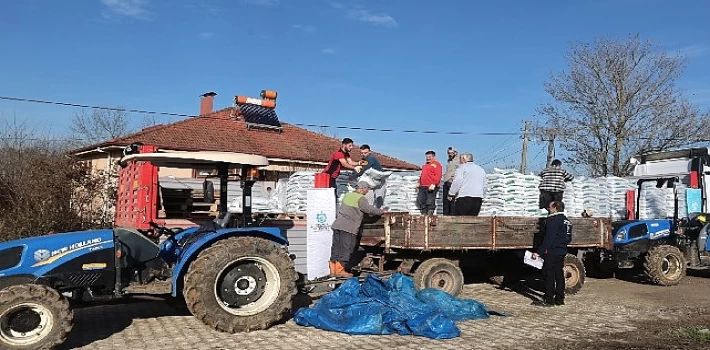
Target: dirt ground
616,313
675,317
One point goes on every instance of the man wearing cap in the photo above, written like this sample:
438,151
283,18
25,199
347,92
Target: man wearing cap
347,226
451,165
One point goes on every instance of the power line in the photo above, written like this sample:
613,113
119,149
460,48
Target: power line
503,157
66,104
492,156
487,153
38,139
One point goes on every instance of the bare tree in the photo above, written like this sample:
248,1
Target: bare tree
149,120
42,189
618,99
325,131
100,125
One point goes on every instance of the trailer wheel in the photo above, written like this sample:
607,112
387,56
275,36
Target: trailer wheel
574,274
439,273
241,284
665,265
33,316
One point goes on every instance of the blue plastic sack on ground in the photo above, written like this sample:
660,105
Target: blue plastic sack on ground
390,307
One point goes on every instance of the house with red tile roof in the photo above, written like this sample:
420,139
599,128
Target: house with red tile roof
248,126
245,127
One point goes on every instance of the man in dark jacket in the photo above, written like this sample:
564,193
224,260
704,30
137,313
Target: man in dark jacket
558,234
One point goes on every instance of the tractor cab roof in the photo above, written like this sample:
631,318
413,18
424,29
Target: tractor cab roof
184,159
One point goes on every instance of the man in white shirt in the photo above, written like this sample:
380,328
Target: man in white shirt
469,187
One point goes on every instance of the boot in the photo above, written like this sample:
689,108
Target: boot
340,270
332,267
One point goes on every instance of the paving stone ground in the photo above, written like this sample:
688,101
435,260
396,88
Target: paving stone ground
601,309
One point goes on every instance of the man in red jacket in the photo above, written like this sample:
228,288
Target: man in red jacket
341,159
429,184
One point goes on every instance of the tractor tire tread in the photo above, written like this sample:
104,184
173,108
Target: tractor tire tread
654,260
199,291
47,297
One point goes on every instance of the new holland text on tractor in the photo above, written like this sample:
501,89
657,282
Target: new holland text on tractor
232,279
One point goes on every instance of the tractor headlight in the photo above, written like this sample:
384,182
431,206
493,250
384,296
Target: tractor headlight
620,235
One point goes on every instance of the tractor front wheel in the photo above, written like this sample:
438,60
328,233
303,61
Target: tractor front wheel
665,265
33,316
241,284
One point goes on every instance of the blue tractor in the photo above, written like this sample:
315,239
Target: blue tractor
665,248
231,278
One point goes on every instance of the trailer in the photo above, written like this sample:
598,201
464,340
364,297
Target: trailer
436,249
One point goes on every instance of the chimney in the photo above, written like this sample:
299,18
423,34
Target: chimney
207,102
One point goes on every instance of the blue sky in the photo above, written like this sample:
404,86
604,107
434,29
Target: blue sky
400,64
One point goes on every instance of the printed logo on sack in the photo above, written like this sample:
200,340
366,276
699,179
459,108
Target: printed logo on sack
321,217
321,223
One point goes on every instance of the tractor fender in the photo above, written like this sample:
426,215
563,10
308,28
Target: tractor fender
190,253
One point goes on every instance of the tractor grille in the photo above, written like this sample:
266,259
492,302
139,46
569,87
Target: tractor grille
84,279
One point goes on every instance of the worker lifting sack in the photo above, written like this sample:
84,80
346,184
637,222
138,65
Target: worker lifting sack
377,181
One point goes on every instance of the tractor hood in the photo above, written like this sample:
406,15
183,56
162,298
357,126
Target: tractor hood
45,249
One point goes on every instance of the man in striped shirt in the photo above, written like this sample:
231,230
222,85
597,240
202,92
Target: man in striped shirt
552,183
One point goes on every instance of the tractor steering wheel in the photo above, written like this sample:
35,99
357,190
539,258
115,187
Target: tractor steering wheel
162,230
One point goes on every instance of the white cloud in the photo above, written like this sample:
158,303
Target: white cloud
128,8
369,17
328,51
304,28
260,2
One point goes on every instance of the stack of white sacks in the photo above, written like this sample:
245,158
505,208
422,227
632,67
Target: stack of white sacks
296,189
509,193
402,193
659,202
616,196
277,202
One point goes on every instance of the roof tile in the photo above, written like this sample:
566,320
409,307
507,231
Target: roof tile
220,131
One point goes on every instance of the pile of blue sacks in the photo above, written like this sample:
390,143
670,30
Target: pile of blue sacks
391,307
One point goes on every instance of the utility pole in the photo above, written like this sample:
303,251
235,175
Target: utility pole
523,161
550,147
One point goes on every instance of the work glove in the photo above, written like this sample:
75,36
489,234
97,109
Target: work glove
358,169
431,187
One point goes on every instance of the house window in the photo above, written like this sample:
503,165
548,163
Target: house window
206,172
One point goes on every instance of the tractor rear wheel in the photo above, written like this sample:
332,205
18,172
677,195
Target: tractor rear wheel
439,273
241,284
665,265
33,316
